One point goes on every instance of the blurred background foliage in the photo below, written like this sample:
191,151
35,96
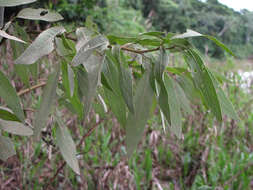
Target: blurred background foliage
233,28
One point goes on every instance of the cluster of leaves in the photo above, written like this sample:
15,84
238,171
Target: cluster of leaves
130,75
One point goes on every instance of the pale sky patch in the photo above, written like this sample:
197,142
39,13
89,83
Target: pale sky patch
238,4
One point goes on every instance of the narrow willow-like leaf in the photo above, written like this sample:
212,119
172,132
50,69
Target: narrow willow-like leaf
136,122
163,102
39,14
204,82
48,98
226,106
126,83
11,3
6,148
174,104
183,100
43,45
190,33
66,145
161,64
117,105
155,34
121,40
82,57
10,97
5,35
88,80
15,128
83,36
6,114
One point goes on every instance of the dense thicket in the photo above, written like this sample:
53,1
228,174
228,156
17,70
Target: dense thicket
210,17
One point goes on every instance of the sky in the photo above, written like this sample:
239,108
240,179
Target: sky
238,4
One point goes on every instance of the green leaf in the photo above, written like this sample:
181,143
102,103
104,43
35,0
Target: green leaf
121,40
98,43
191,33
117,105
11,3
10,97
7,114
66,145
164,103
174,104
88,78
161,64
126,83
188,34
149,42
182,99
6,148
43,45
48,98
226,106
5,35
154,34
15,128
204,82
39,14
220,44
136,122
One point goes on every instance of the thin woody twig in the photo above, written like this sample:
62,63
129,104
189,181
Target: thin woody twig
25,91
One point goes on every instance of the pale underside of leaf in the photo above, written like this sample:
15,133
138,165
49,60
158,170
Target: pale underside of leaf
174,104
11,3
39,14
43,45
15,128
48,97
5,35
136,122
6,148
66,145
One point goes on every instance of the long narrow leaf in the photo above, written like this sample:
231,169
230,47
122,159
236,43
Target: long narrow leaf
136,122
6,148
11,3
15,128
48,98
10,97
43,45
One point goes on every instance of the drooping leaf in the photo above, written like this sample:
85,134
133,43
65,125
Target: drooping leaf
163,102
204,82
190,33
48,98
136,122
182,99
117,105
15,128
126,83
43,45
7,114
174,104
98,43
11,3
161,64
63,49
83,36
10,97
66,145
6,148
88,78
5,35
226,106
39,14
